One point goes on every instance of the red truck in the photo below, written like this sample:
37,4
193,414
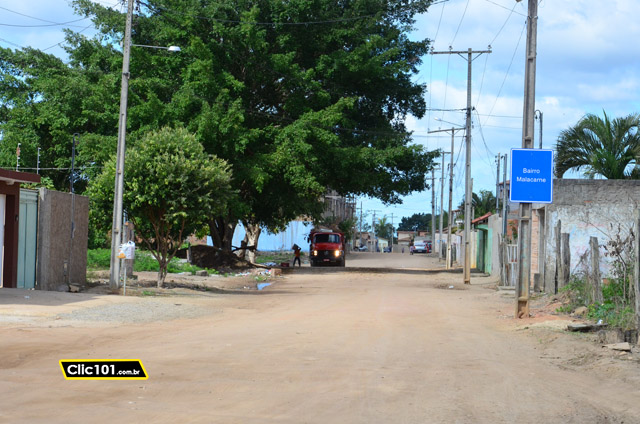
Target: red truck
327,247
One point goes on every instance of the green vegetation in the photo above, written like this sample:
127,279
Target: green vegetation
294,110
172,186
98,259
615,310
600,146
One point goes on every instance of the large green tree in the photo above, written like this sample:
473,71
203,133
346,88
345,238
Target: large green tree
417,221
600,146
171,186
298,97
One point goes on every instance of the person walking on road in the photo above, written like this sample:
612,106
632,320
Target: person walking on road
296,252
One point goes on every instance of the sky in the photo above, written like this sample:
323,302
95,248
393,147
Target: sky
588,61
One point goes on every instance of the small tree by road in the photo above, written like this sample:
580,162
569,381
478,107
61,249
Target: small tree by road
171,188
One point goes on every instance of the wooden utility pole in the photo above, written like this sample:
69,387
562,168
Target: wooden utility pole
468,193
524,232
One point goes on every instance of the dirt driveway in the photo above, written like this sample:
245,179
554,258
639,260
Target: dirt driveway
317,346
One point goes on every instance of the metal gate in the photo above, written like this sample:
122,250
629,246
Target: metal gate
27,238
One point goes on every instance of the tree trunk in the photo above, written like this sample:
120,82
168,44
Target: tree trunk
251,236
221,230
162,272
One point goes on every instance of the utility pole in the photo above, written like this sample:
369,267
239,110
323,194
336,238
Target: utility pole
441,207
18,157
468,193
391,244
360,223
116,231
38,162
433,207
524,232
449,220
498,182
505,206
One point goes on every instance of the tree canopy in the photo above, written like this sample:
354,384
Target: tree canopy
600,146
417,221
298,97
171,187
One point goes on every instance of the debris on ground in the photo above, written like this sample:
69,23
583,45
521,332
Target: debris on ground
623,347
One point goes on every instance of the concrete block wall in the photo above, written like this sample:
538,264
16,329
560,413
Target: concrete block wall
61,259
586,208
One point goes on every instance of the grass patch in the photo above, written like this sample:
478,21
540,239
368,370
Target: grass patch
615,309
100,259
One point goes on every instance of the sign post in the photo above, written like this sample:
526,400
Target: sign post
531,176
531,182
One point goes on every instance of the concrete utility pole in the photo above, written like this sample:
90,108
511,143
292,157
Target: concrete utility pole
505,207
524,232
441,206
433,208
360,223
391,244
498,182
116,231
468,192
449,219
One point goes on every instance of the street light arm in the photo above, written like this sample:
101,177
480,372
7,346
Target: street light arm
170,48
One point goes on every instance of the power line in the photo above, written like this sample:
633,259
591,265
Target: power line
26,16
505,7
508,70
460,23
44,25
12,43
487,58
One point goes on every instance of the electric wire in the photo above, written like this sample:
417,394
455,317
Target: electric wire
507,73
505,7
460,23
44,25
487,56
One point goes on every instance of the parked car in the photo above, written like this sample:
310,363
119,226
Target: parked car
387,249
420,248
362,248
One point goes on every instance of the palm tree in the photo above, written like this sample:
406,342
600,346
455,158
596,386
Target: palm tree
600,147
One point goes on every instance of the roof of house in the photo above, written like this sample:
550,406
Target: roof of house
482,218
11,177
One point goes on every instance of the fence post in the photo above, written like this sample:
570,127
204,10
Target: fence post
636,267
566,260
558,257
596,282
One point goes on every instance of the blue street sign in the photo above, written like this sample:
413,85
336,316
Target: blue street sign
531,176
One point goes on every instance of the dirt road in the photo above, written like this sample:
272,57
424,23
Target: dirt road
315,347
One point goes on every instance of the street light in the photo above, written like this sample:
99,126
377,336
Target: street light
116,229
170,48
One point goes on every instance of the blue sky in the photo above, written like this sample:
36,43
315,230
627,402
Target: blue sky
588,61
